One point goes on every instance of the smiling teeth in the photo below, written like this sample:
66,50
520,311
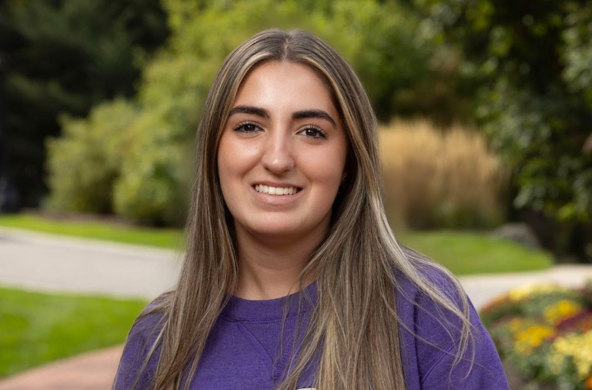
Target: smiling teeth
275,190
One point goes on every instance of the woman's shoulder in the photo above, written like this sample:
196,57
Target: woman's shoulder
140,344
444,344
425,272
431,302
150,321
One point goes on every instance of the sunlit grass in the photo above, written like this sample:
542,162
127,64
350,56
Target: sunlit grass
476,253
38,328
166,237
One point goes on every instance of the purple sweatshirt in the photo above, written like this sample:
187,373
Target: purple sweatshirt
245,350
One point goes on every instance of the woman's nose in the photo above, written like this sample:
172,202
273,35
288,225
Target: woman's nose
277,154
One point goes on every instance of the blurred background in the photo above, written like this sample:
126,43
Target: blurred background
485,110
486,106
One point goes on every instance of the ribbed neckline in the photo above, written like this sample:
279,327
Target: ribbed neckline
270,309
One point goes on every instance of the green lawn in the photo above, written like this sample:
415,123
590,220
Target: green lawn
38,328
167,238
475,253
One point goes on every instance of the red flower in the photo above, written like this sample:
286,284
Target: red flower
581,322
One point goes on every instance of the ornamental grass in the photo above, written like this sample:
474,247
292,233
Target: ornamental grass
436,178
543,333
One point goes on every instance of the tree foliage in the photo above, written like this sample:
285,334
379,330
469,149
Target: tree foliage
89,157
531,63
379,39
65,56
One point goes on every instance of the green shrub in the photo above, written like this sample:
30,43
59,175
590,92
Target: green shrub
86,161
153,185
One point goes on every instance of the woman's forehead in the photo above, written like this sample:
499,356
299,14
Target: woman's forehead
275,83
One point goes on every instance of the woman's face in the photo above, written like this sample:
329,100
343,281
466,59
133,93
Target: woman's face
282,154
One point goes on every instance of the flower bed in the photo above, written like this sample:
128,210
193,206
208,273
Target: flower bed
544,335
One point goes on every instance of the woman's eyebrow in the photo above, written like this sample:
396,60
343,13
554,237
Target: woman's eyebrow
313,114
303,114
249,110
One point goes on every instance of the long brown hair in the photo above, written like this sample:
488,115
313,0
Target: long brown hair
352,335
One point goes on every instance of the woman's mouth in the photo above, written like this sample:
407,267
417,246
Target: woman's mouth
269,190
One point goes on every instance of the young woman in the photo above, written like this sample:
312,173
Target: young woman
292,278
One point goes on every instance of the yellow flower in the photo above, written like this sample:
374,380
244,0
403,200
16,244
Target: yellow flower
561,310
515,324
522,292
530,338
578,347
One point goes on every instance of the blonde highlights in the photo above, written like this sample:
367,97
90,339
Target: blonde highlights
353,335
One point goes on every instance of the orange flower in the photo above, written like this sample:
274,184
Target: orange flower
588,383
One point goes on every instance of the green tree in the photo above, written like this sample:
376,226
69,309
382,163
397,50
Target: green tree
65,56
378,39
530,63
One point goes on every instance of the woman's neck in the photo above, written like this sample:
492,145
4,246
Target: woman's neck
268,269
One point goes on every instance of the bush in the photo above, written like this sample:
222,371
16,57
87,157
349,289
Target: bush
544,333
440,179
119,160
153,185
86,161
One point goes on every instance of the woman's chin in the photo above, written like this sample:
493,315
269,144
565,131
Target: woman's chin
277,232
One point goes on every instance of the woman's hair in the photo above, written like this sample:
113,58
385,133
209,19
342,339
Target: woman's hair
352,336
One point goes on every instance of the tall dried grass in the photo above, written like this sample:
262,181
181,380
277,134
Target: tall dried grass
440,179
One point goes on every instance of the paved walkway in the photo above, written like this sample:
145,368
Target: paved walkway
482,288
45,262
91,371
49,263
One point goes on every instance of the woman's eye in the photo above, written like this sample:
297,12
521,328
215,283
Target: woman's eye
313,132
246,128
